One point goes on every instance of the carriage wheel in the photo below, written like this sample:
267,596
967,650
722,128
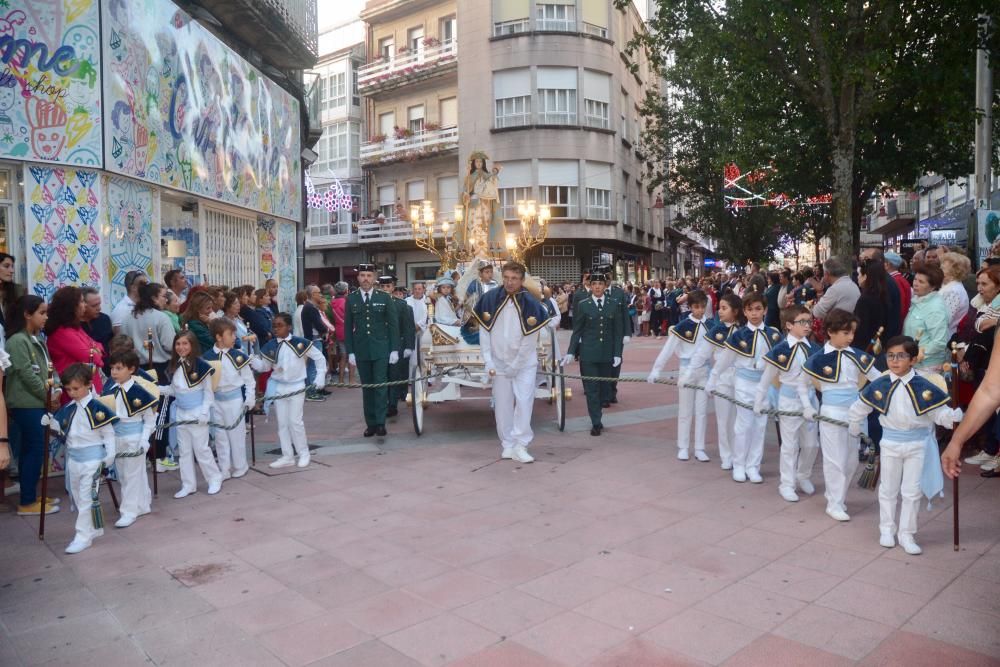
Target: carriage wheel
418,393
560,391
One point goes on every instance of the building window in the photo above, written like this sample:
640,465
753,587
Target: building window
597,114
509,198
415,119
448,30
510,17
556,17
338,91
387,48
561,200
415,193
415,39
513,111
598,204
448,112
355,97
596,99
387,201
558,106
231,255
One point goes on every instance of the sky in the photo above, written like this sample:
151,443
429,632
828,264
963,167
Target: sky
336,12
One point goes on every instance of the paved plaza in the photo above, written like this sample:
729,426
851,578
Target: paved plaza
430,551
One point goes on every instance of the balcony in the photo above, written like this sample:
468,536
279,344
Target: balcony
421,145
335,234
393,230
895,215
432,60
284,32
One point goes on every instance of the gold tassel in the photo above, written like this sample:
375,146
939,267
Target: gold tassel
870,475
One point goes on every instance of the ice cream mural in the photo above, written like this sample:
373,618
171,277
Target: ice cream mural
50,96
186,112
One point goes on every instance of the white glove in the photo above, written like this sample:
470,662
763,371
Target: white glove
956,416
616,362
166,390
758,408
109,461
809,414
407,354
710,386
653,377
626,339
145,447
51,422
351,360
854,430
567,360
203,420
393,357
251,402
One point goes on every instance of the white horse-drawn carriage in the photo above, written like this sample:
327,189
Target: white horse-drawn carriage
443,350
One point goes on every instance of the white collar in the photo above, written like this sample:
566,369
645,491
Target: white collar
596,299
793,340
696,320
85,401
830,348
128,385
757,327
219,350
905,379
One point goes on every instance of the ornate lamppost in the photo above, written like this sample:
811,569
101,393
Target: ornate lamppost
533,231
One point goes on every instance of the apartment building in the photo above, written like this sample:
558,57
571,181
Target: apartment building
331,239
546,89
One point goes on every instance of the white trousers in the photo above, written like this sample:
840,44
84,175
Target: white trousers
840,457
725,422
81,475
192,444
748,432
136,496
230,446
799,445
902,464
693,403
513,400
291,428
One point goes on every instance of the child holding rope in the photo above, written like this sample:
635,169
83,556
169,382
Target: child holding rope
908,407
234,390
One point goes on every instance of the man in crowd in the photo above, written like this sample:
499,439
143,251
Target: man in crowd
96,324
841,293
407,338
134,281
272,291
892,264
417,301
509,322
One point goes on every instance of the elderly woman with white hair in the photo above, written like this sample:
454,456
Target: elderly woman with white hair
955,267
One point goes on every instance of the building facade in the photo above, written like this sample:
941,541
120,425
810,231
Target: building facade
125,126
547,90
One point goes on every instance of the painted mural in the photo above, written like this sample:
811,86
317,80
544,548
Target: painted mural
285,257
266,242
50,94
131,228
186,112
62,228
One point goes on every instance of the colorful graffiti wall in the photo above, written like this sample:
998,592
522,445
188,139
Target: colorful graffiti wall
62,228
132,215
50,93
184,111
276,242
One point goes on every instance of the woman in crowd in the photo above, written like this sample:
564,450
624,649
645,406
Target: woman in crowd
338,352
10,292
201,308
231,311
259,324
147,316
955,267
300,304
773,316
173,311
562,300
26,381
873,303
927,321
657,298
67,342
446,308
975,361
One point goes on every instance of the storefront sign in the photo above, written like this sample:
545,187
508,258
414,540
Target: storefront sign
187,112
988,224
50,96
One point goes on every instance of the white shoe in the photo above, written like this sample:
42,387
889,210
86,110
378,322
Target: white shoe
701,455
807,487
838,514
239,473
184,493
992,464
13,489
788,495
979,459
887,541
754,476
726,465
682,454
521,455
214,488
507,453
909,546
125,520
225,476
739,474
303,461
76,546
282,462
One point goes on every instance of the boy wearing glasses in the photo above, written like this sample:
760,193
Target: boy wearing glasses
908,407
784,363
838,371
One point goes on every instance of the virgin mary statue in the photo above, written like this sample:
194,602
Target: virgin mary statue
483,231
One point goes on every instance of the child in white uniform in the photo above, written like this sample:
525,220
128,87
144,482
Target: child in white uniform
683,339
908,405
745,347
839,370
191,387
134,401
234,390
286,356
730,316
88,426
799,442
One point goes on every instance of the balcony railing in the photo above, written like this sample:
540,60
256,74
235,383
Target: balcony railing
338,233
405,66
511,27
893,209
429,143
557,117
592,29
556,25
392,230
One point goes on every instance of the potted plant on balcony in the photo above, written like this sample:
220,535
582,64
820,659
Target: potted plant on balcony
432,41
376,139
431,127
402,132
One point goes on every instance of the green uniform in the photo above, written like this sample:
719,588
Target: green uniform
407,334
371,333
618,294
596,340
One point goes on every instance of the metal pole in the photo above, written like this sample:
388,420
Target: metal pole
984,129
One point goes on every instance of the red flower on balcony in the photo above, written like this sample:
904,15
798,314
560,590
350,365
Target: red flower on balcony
432,41
376,138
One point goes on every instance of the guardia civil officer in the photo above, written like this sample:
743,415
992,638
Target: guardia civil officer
371,335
